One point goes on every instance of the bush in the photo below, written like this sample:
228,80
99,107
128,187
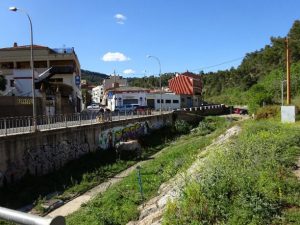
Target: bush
268,112
182,127
246,182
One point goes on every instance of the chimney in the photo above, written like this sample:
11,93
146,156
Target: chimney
15,44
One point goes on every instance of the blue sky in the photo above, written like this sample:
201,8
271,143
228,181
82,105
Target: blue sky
184,34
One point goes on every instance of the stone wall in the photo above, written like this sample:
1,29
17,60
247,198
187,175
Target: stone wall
42,152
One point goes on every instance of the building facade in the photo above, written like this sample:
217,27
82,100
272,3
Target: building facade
59,86
112,80
97,94
126,95
165,101
189,87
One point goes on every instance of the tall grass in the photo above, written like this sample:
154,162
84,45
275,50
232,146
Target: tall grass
246,182
119,204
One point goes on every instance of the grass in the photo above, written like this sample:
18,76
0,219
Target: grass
119,204
248,181
78,176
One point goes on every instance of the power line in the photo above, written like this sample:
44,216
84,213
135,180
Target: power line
219,64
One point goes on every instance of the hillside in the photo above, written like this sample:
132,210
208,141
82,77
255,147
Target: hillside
258,79
93,78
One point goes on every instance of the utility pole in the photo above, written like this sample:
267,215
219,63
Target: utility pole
288,73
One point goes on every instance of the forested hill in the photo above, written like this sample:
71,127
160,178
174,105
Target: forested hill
258,78
93,77
256,81
150,81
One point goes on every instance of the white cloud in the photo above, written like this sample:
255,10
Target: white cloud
115,56
128,71
120,18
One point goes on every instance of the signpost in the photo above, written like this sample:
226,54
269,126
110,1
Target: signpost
77,80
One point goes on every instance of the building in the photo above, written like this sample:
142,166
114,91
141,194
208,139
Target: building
120,96
113,79
97,94
189,87
59,86
169,100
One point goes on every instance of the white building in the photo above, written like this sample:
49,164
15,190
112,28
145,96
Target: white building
63,74
169,101
126,95
97,94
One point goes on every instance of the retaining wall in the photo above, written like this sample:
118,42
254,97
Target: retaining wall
43,152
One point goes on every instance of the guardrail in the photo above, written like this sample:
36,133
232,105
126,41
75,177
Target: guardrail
29,219
19,125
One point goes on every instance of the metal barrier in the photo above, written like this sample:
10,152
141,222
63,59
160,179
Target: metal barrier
19,125
29,219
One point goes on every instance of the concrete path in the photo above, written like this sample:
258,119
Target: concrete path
76,203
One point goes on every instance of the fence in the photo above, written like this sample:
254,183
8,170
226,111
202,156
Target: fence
18,125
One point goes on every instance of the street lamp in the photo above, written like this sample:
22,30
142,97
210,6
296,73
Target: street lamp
157,59
14,9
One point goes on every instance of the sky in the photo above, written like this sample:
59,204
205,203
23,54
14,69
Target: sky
117,35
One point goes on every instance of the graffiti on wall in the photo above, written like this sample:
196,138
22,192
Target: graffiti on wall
47,158
108,138
42,159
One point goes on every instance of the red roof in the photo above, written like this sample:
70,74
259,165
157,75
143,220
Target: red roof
189,74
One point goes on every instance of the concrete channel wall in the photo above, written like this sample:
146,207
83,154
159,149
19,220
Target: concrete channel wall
43,152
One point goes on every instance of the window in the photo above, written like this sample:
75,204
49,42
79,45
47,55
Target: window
168,101
23,65
12,83
7,65
182,99
175,101
158,101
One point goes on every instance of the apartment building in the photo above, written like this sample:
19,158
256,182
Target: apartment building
97,94
59,86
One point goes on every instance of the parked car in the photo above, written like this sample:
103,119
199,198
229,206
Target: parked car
93,106
243,112
142,109
240,111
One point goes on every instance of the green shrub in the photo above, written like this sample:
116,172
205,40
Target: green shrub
245,182
267,112
182,127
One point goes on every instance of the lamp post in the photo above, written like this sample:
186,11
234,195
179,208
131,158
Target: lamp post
157,59
14,9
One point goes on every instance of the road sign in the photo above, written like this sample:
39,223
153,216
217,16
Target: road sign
77,80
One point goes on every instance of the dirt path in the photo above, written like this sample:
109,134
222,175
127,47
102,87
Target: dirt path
152,211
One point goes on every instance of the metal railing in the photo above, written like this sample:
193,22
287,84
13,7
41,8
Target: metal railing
19,125
29,219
